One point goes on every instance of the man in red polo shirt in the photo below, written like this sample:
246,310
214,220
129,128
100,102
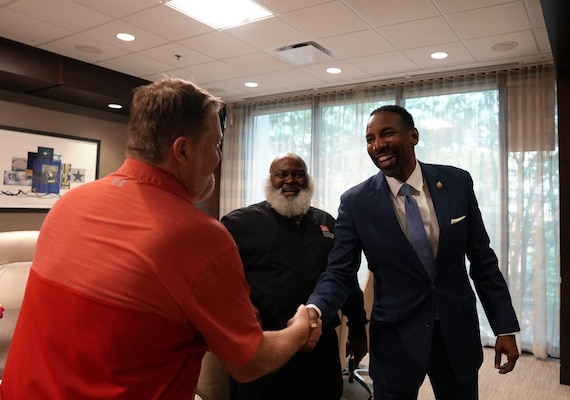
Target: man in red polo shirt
131,283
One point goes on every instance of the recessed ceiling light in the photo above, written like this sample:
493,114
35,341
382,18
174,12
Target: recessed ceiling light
251,84
221,14
504,46
439,55
126,37
114,106
334,70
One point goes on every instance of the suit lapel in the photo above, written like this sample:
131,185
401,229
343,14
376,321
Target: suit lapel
381,202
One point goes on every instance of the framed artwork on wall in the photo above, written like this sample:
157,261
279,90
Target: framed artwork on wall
39,167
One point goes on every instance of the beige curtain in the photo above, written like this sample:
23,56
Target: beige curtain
533,208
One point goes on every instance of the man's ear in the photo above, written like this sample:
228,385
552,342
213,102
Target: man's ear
181,148
415,135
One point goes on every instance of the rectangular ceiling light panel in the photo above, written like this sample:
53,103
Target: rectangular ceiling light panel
221,14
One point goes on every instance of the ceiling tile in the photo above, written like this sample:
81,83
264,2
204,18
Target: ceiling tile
481,48
534,12
541,37
325,20
182,73
349,71
453,6
356,44
135,62
144,39
168,23
231,89
258,63
490,21
280,6
84,48
118,9
393,11
433,31
218,44
217,70
76,18
176,55
285,80
16,26
225,91
388,63
457,52
268,34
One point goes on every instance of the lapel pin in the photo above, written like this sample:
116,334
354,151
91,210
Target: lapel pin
439,184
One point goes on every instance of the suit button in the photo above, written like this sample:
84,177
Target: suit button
428,324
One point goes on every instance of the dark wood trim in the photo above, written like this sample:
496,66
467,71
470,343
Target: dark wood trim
39,73
564,147
556,13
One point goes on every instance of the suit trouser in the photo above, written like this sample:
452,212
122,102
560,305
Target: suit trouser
443,380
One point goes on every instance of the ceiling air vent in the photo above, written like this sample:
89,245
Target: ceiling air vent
304,53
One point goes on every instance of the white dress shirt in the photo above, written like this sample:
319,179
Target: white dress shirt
423,198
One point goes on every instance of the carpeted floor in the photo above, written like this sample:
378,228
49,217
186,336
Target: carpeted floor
532,379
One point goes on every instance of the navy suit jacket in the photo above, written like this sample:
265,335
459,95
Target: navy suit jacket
405,298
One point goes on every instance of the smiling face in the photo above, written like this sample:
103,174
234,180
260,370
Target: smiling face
390,144
289,188
289,174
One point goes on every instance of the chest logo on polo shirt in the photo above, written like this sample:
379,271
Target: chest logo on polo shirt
326,232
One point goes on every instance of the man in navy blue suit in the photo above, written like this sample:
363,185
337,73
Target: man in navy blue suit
424,318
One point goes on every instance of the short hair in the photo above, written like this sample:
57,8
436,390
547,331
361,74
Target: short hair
406,117
163,111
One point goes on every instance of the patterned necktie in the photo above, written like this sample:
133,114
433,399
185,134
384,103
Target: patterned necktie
416,231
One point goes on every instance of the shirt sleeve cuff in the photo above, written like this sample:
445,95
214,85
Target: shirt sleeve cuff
315,308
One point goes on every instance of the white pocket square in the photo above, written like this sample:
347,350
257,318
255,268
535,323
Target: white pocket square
456,220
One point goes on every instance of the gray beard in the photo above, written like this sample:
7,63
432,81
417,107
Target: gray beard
289,206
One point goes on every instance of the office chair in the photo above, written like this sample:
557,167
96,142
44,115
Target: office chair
352,371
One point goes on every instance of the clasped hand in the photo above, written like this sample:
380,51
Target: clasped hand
315,326
315,330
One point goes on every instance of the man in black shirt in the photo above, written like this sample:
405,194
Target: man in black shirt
284,245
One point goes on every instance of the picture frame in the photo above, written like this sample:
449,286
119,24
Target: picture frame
39,167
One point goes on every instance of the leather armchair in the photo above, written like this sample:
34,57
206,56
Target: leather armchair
214,381
16,254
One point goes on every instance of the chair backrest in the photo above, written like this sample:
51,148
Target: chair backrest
16,253
214,380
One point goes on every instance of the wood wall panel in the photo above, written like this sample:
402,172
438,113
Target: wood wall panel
556,13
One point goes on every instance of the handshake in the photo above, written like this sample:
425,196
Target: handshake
307,324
